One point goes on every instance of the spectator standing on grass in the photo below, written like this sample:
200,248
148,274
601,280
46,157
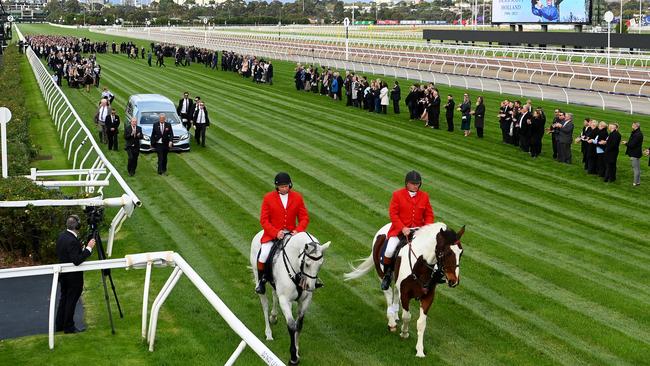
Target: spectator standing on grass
410,102
449,114
479,116
523,124
633,150
599,141
565,138
586,131
612,145
591,155
396,96
185,110
466,118
269,71
383,95
100,119
553,131
434,109
537,132
132,135
149,58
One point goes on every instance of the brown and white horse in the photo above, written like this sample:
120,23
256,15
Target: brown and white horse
433,246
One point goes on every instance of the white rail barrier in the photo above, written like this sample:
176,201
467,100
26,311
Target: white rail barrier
90,166
147,260
415,66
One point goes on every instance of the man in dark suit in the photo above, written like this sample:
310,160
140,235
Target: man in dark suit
132,135
162,136
396,96
68,249
524,120
633,150
612,145
564,137
185,109
269,73
112,123
450,107
201,123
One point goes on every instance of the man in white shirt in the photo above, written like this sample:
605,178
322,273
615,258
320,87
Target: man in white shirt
201,123
100,119
185,110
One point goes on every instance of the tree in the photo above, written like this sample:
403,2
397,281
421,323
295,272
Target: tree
338,11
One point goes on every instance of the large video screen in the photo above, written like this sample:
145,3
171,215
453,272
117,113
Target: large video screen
541,11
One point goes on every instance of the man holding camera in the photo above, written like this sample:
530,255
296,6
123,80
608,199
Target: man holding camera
69,249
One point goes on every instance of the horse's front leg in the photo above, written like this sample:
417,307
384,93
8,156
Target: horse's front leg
406,314
274,310
265,309
391,309
302,309
425,304
285,305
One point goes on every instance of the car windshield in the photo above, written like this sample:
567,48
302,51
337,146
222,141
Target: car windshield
148,118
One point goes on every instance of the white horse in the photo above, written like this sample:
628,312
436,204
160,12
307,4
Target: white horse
433,246
295,270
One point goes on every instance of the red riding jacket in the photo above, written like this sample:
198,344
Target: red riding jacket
274,217
409,212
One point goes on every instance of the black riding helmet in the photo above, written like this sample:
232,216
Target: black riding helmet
283,178
413,177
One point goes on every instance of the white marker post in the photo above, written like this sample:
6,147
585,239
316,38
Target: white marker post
346,23
205,31
5,117
609,16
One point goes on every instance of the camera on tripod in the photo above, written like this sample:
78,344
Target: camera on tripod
94,215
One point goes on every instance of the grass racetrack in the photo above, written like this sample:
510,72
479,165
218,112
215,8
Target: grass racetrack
555,266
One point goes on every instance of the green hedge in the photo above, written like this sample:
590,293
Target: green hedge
12,95
31,231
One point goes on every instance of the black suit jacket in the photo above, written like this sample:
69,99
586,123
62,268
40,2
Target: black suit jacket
132,142
450,108
68,250
189,110
167,135
634,144
112,122
611,148
196,115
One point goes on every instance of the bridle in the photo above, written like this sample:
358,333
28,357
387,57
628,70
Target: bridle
295,276
433,268
441,262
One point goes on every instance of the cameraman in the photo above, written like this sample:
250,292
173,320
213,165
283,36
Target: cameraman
68,249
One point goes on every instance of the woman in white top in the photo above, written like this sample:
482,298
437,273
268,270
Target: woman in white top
383,95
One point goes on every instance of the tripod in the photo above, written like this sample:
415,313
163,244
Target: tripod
105,272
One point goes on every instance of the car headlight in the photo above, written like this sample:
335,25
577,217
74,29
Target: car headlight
145,137
185,136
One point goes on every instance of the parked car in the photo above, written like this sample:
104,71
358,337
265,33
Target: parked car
147,108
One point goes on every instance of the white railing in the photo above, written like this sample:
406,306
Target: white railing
148,260
90,167
425,68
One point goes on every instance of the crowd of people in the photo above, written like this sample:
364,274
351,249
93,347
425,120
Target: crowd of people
521,125
64,57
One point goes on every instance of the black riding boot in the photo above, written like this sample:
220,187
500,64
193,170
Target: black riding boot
388,276
260,289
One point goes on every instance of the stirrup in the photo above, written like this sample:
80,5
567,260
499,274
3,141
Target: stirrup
388,276
261,288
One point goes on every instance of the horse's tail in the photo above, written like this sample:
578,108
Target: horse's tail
362,269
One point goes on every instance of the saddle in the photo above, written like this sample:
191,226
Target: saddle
400,245
268,268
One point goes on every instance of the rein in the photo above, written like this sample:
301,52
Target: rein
294,275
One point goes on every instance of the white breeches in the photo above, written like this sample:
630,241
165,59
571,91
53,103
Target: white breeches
264,251
390,247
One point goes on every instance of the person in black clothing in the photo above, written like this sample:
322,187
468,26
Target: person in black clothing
504,121
68,249
201,123
185,110
410,102
396,96
132,135
479,116
434,109
162,136
537,132
590,153
599,141
554,131
269,73
449,112
586,131
611,152
112,129
633,150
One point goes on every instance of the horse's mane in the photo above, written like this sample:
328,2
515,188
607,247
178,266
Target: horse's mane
424,240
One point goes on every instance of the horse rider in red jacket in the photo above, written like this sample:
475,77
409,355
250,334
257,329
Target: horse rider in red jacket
409,208
281,209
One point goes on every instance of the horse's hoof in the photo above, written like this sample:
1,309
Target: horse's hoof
269,338
419,354
393,328
404,335
273,319
294,363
